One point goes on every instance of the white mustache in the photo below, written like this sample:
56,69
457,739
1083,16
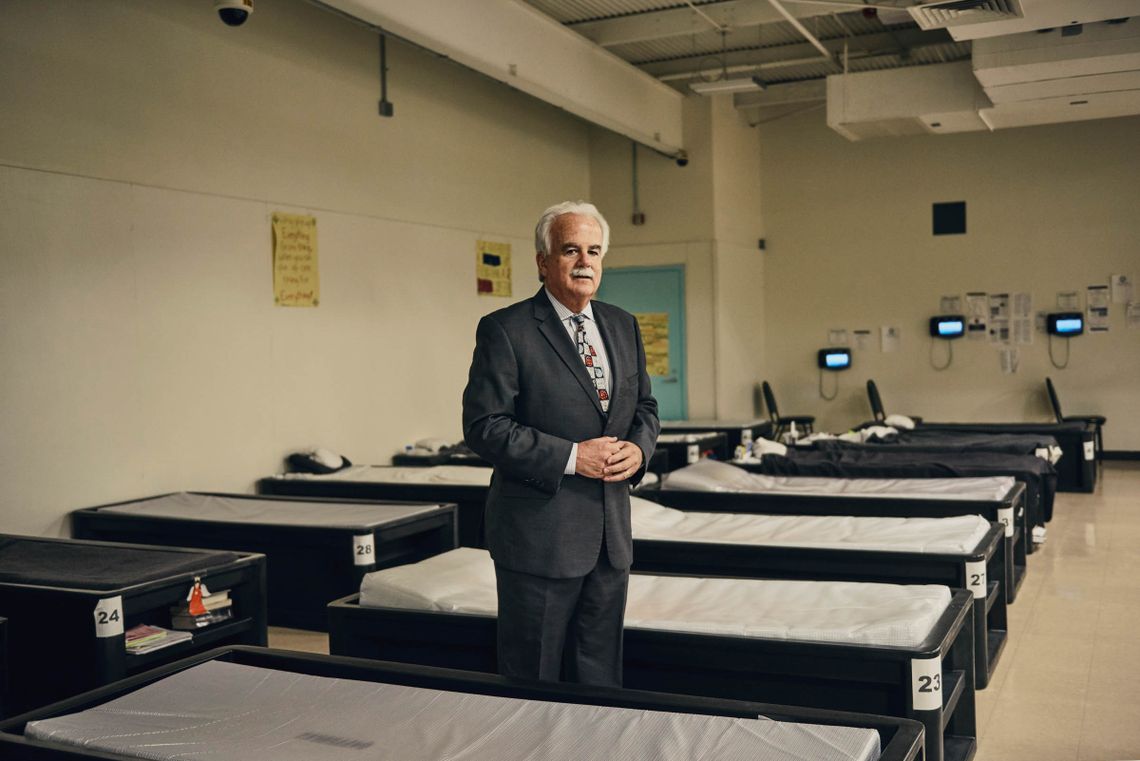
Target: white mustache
582,272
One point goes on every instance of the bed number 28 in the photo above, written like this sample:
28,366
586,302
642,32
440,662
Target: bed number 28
363,550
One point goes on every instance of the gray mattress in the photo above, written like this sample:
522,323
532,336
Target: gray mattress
269,511
229,712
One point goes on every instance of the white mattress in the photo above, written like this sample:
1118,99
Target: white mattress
383,474
956,535
710,424
710,475
695,437
266,510
231,712
463,581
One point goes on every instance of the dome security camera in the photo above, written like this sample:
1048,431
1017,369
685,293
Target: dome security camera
233,12
682,158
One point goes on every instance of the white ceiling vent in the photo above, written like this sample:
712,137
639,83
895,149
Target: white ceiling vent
942,14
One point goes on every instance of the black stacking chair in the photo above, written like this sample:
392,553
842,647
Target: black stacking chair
781,423
1097,420
876,402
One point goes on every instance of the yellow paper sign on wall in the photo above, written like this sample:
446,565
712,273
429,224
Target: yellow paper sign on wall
655,335
492,268
296,276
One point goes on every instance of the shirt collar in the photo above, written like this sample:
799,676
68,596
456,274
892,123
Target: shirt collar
564,312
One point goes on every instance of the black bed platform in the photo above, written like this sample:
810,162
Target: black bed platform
880,679
982,571
68,603
1039,477
1009,511
309,561
469,499
900,739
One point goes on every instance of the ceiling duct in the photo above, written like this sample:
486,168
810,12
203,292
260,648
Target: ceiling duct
922,100
943,14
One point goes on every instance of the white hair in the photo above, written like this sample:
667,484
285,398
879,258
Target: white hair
546,221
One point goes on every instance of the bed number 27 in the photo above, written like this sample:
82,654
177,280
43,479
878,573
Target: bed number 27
363,550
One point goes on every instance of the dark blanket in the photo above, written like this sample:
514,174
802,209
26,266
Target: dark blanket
83,565
1039,477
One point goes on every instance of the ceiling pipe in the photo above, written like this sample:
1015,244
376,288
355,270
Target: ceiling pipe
800,28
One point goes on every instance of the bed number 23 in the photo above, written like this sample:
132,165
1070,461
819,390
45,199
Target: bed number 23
930,683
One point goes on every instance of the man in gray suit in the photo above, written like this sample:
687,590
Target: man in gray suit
558,400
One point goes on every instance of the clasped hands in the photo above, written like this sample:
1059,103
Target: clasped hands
608,458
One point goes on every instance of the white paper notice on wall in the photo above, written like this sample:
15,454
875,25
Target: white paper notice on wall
837,337
1132,314
999,306
1070,300
889,337
1022,327
999,331
976,311
1121,289
862,339
1097,298
1010,360
950,304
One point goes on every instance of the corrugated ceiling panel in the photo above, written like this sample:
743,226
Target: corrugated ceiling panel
572,11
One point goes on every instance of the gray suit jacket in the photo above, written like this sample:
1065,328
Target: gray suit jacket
528,398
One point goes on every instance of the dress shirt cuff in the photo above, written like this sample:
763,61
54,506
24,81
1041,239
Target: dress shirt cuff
571,464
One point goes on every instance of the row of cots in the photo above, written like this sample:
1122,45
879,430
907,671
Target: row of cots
869,604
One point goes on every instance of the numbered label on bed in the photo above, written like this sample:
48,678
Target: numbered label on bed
363,549
1090,450
694,453
1005,518
976,578
109,617
926,683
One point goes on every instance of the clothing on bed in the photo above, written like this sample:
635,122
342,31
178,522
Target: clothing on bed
463,581
956,535
232,712
709,475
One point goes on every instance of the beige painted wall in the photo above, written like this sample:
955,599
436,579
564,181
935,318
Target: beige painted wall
850,246
143,147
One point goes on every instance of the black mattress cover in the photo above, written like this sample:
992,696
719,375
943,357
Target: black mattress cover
1049,429
1038,475
952,441
96,566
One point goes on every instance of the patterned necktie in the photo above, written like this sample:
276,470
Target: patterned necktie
590,357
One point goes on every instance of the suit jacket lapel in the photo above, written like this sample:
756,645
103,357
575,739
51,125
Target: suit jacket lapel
555,333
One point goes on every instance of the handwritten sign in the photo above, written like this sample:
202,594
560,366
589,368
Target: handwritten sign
492,268
655,335
296,277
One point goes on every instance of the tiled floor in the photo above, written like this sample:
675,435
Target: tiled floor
1068,684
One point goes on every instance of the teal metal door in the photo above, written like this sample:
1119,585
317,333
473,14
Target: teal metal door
656,295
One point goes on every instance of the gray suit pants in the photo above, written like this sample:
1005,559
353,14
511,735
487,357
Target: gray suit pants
563,629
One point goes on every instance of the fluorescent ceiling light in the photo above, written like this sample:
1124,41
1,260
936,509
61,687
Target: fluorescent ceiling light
739,84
